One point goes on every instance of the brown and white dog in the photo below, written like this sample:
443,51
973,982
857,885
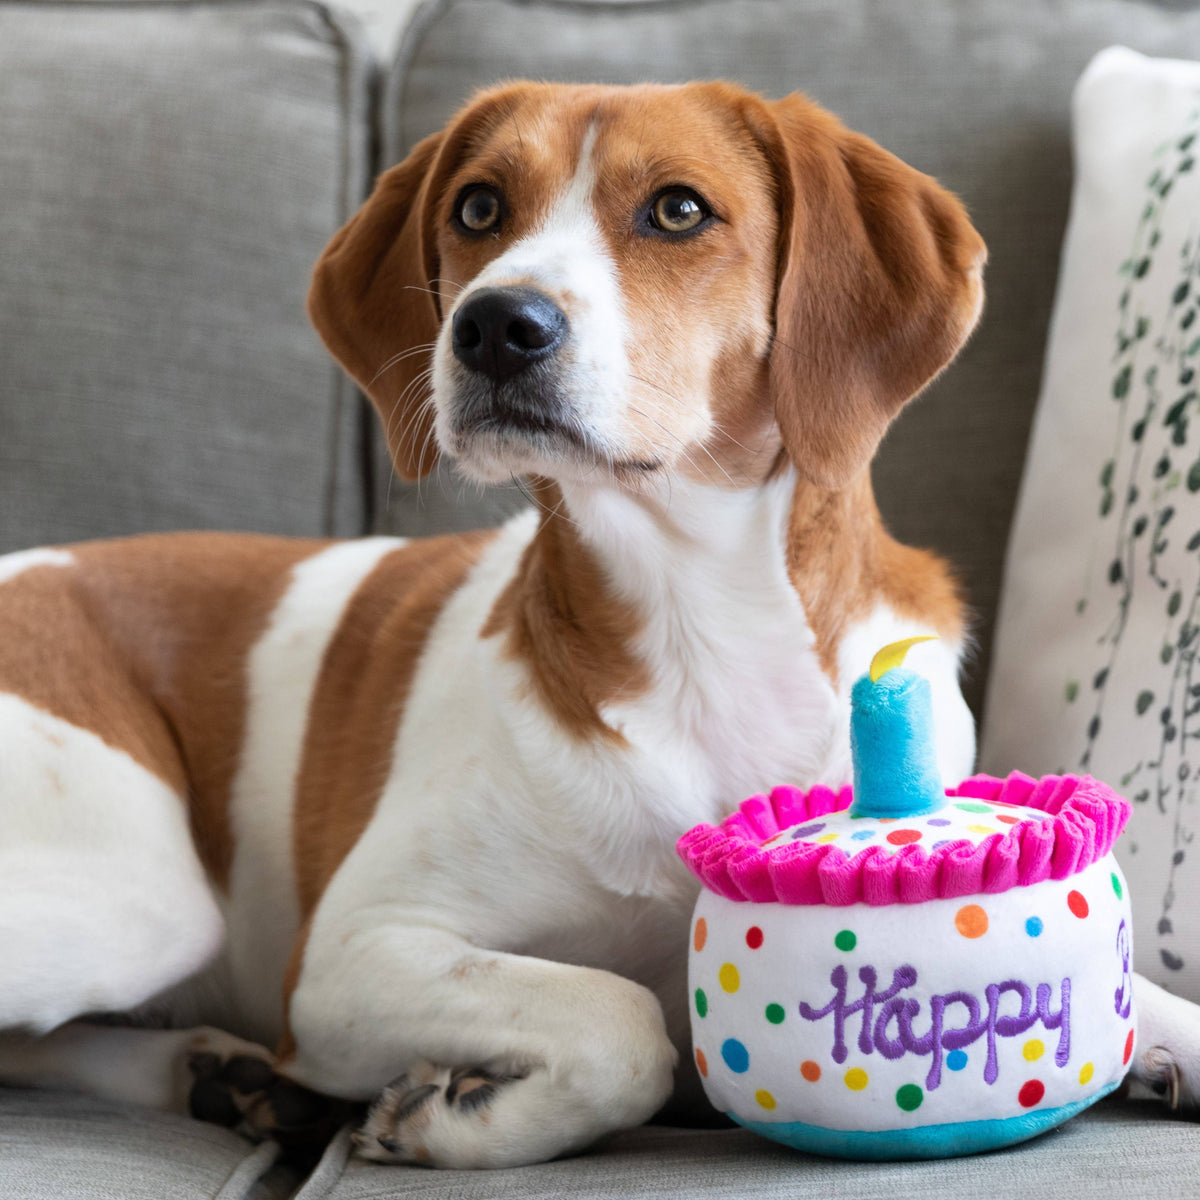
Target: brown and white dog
406,812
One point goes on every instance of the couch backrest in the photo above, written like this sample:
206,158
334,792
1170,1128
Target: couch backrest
975,92
168,174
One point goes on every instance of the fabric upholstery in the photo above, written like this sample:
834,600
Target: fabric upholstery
1113,1150
58,1146
974,92
168,175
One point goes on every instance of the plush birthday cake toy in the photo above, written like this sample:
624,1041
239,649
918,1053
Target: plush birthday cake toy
907,971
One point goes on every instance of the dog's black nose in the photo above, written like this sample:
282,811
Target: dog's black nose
501,331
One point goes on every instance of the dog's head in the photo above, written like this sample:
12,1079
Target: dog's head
643,281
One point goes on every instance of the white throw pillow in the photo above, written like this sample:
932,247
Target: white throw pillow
1097,657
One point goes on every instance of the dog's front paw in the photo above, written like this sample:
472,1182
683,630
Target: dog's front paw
426,1116
233,1083
1167,1061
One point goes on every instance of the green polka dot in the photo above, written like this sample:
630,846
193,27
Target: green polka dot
909,1097
977,808
775,1013
846,940
701,1002
1116,882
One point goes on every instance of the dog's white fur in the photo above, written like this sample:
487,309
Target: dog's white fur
501,855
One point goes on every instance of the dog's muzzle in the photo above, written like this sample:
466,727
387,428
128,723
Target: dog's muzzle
500,332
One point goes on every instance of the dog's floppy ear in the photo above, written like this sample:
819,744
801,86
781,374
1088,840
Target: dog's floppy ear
879,284
372,302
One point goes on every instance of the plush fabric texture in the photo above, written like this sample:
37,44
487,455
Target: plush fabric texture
734,861
975,92
168,175
1095,667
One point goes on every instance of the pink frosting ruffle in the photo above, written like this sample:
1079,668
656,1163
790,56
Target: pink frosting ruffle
1086,818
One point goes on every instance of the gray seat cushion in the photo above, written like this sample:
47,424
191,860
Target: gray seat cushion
1126,1152
973,91
58,1146
168,175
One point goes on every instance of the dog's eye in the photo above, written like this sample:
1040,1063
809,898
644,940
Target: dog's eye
678,210
479,209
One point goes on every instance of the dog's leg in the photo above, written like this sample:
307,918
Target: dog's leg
1167,1061
501,1059
202,1072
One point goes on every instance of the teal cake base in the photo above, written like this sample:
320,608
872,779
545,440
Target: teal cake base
927,1141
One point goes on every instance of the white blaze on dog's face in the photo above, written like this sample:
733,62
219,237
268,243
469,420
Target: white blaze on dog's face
597,279
622,284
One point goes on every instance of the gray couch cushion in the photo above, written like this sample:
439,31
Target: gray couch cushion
57,1146
1126,1152
168,175
972,91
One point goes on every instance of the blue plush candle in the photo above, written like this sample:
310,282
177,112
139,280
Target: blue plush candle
891,740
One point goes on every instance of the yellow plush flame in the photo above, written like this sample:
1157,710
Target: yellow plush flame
893,655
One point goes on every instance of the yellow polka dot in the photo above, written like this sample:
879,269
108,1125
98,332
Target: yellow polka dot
765,1099
826,837
856,1079
1033,1050
980,829
1086,1072
728,977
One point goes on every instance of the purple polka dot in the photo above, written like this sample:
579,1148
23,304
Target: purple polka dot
937,821
807,830
943,842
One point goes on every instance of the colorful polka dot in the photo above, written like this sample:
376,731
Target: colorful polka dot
701,1003
909,1097
754,937
856,1079
765,1099
863,834
1009,820
1033,1050
1116,882
904,837
775,1014
1086,1072
888,820
701,935
1034,926
975,808
701,1063
728,978
810,1070
980,829
846,940
971,921
956,1060
807,830
826,838
736,1056
939,821
1077,904
1128,1047
1031,1093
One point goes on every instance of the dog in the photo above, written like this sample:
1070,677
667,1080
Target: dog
405,813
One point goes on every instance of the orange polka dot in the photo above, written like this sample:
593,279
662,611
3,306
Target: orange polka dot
701,934
810,1070
702,1063
971,921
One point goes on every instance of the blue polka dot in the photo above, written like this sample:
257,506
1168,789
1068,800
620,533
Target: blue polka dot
1034,926
736,1056
956,1060
863,834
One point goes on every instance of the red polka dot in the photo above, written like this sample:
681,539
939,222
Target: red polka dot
1128,1047
702,1063
701,935
1009,820
1077,904
1031,1093
754,937
810,1070
904,837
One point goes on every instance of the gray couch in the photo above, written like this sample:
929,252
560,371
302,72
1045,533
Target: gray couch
168,173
